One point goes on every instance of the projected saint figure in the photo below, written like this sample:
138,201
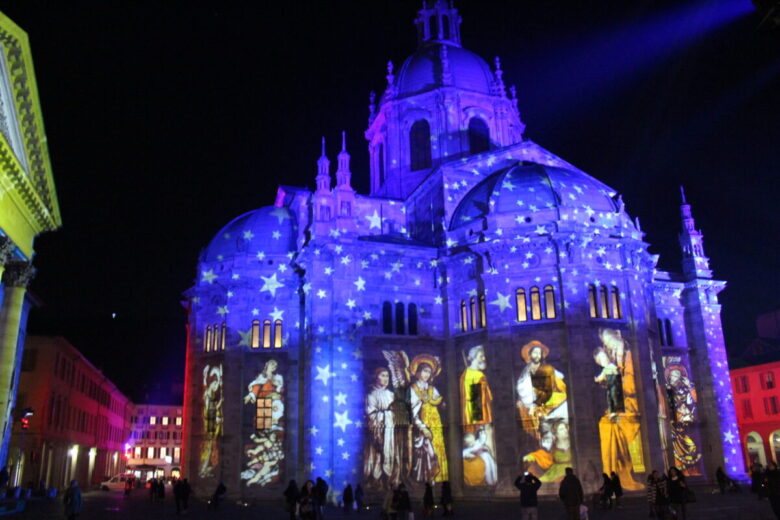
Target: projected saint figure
621,444
479,466
382,461
428,453
682,400
541,401
212,419
265,451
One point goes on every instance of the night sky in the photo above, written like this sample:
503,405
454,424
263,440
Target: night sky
165,120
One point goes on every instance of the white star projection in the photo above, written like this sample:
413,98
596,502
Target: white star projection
208,276
271,284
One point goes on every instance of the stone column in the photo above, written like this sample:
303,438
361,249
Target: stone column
16,277
6,248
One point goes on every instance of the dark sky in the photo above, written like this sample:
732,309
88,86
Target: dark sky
167,119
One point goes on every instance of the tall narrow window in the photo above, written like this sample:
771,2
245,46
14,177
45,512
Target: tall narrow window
592,301
381,163
420,145
222,336
473,311
278,334
661,332
399,318
522,310
445,26
536,304
412,310
207,339
482,311
255,343
433,22
549,302
479,136
266,333
616,311
387,318
464,320
669,337
604,301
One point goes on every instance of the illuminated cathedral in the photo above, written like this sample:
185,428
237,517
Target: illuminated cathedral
487,309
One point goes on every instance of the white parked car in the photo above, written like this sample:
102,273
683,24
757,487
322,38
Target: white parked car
116,483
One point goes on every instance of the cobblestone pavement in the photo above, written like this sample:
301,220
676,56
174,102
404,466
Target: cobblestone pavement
100,505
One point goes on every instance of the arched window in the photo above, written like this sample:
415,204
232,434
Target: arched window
255,342
420,145
536,304
412,311
380,163
215,337
445,26
668,327
592,301
661,332
616,311
522,307
266,333
549,302
473,311
222,335
604,301
433,23
278,334
464,320
482,311
479,136
399,318
387,318
207,339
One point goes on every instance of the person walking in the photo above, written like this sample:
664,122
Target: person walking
678,490
359,497
177,495
307,501
403,505
722,479
291,496
605,492
161,490
218,495
772,477
528,485
657,495
320,497
570,493
428,501
348,498
186,490
617,488
446,498
756,479
72,500
152,490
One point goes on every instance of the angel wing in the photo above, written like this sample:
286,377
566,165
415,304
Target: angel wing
398,363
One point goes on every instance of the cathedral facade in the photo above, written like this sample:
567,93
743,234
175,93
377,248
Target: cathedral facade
487,309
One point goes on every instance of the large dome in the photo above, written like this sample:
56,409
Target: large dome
422,71
270,229
530,188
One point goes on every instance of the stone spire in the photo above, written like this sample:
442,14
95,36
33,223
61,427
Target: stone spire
498,81
390,90
694,263
323,170
446,73
343,175
438,22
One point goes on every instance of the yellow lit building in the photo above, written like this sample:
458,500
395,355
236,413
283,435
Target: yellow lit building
28,205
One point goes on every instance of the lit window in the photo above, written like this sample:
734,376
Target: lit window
549,302
178,421
137,452
604,301
152,420
473,310
278,334
266,333
464,320
616,311
176,454
592,301
163,452
522,311
482,311
165,420
255,342
222,335
536,304
150,452
207,339
263,419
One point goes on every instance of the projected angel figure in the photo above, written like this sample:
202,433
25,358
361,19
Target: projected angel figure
428,453
212,419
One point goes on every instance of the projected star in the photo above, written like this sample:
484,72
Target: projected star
502,301
280,214
271,284
276,314
357,353
222,310
260,255
375,221
318,450
341,399
248,235
396,267
324,374
729,437
360,284
345,455
341,420
351,303
246,338
321,294
208,276
313,431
